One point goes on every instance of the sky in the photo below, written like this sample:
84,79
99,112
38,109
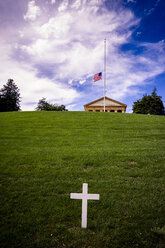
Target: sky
53,48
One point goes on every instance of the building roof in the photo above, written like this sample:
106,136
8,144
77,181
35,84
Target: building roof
108,102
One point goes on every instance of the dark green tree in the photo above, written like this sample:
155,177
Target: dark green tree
9,97
149,104
43,105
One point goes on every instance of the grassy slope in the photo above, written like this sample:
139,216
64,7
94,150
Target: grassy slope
44,156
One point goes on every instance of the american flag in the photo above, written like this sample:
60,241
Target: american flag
97,76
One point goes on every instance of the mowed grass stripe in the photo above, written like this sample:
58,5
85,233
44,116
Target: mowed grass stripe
44,156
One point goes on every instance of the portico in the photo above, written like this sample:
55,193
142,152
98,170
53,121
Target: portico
110,105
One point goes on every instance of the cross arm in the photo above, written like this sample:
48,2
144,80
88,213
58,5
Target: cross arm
93,196
76,196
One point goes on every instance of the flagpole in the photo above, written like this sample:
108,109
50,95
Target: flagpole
104,71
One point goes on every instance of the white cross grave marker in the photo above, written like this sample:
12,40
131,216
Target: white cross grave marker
85,197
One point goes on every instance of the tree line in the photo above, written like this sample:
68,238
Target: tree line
10,101
43,105
149,104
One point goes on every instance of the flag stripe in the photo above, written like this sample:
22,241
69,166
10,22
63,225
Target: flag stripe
97,76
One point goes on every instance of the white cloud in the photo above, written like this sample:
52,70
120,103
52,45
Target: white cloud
70,81
127,70
33,11
56,27
76,4
53,1
131,1
63,6
71,107
32,88
82,82
138,34
150,11
72,43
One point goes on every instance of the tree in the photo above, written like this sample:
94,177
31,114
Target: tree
43,105
149,104
9,97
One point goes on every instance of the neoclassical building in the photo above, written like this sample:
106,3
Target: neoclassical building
110,105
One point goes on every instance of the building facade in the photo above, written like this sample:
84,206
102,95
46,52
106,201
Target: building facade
110,105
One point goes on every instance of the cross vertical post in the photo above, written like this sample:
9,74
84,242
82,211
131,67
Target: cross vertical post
84,206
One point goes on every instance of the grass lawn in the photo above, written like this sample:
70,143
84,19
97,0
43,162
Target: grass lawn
45,156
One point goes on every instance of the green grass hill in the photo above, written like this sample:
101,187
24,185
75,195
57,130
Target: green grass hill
45,156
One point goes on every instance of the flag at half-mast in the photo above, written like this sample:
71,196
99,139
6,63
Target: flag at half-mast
97,76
